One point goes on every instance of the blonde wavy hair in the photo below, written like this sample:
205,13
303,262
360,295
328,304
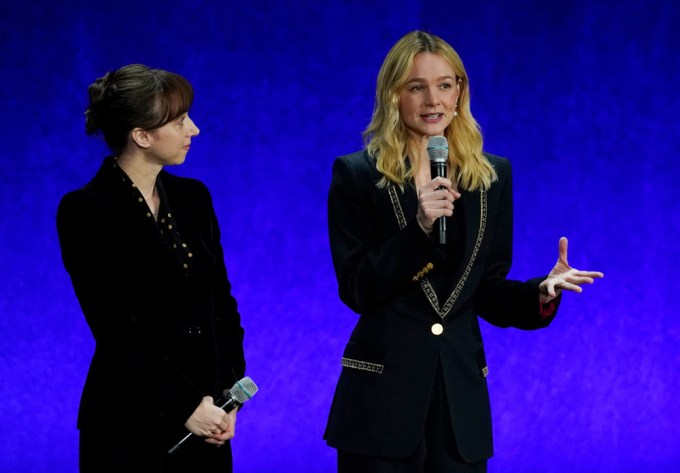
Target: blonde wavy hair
387,139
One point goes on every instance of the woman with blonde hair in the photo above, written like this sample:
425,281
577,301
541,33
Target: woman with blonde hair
412,395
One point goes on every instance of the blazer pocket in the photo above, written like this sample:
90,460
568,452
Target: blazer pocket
364,356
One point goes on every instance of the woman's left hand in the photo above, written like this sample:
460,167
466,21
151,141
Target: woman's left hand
227,429
564,277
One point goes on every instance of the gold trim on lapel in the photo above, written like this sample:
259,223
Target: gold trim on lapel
473,252
396,206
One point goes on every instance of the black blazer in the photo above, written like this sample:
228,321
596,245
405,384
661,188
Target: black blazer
164,339
391,273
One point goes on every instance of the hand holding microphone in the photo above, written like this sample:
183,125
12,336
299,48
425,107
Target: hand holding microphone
209,421
216,421
436,197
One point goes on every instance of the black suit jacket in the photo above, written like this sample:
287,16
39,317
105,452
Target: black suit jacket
391,273
164,339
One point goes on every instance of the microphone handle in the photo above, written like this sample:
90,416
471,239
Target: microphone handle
438,169
229,404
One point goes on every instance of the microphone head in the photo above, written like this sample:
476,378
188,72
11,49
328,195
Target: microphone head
243,390
438,149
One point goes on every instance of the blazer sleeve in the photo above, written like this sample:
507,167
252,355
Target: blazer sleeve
370,270
86,238
229,331
500,301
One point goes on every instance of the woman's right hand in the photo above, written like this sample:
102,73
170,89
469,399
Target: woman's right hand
208,420
435,199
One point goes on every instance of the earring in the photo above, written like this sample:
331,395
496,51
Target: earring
455,114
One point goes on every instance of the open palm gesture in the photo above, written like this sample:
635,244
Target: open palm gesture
564,277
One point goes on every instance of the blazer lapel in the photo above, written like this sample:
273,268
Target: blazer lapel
475,208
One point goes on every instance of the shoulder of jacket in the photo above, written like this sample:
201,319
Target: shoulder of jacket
88,194
183,185
84,204
359,162
181,181
498,162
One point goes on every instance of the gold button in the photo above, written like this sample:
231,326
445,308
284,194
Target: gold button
140,199
190,255
437,329
148,214
184,245
185,265
169,227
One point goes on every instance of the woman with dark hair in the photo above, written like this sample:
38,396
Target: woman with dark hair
412,394
142,248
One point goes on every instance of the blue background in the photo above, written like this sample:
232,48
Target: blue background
582,97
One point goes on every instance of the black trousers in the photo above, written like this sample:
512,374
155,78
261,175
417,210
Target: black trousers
146,452
436,452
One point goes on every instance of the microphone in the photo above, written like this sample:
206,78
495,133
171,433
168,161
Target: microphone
438,150
241,392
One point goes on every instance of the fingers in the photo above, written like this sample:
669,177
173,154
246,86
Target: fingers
208,419
552,288
562,248
567,286
220,422
226,431
581,277
437,183
435,199
214,428
221,437
437,203
225,423
574,281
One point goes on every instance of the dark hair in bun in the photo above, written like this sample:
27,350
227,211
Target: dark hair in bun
135,96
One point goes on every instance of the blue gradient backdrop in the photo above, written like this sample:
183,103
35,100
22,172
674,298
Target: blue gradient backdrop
582,96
